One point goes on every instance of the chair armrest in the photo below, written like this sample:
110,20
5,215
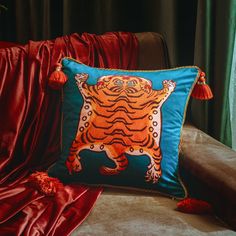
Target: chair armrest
213,166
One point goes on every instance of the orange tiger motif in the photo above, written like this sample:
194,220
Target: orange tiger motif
120,115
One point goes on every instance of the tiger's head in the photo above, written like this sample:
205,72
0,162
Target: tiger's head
128,84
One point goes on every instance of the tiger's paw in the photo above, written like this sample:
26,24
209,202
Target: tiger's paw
82,77
152,174
73,166
170,84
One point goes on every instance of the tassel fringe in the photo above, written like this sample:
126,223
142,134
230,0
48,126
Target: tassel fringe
201,90
194,206
57,79
45,184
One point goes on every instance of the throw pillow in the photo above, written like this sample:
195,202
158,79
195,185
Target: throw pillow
123,128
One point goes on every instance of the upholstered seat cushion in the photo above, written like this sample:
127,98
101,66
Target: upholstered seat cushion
119,212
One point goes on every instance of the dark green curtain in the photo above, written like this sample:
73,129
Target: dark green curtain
215,36
199,32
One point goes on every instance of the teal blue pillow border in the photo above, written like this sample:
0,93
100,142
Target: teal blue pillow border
58,170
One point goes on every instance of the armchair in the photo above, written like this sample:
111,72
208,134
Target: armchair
208,169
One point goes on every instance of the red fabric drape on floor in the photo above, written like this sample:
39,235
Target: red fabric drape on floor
30,130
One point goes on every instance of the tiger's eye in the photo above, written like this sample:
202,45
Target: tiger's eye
118,82
131,83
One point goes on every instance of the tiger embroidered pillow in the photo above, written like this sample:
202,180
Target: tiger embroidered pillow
122,128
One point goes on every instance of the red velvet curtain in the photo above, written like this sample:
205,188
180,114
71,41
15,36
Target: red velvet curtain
30,130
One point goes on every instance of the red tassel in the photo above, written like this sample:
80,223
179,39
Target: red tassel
201,90
57,79
194,206
45,184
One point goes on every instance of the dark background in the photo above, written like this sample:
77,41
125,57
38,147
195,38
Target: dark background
47,19
197,32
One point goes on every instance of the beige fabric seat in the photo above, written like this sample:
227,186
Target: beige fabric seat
120,212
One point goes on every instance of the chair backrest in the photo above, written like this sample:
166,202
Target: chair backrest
153,55
153,52
4,44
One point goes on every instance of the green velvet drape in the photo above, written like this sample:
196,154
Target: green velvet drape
215,35
199,32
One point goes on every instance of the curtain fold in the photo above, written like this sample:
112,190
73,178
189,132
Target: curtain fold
232,96
30,134
214,43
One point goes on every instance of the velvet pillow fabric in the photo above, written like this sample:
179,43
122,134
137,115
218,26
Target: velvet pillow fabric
123,128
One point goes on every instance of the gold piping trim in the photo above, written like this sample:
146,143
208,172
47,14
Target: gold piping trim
137,189
181,129
111,69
